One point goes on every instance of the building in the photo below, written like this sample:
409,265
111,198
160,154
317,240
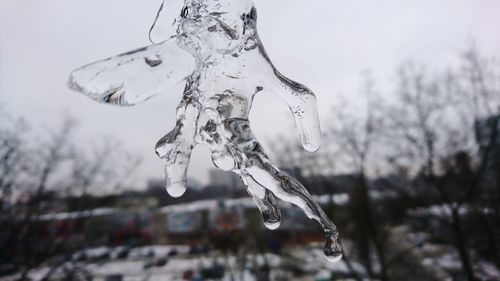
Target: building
488,139
224,179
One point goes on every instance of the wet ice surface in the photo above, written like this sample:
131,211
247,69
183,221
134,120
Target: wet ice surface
217,53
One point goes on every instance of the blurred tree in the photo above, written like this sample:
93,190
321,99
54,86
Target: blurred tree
432,143
36,170
358,135
434,121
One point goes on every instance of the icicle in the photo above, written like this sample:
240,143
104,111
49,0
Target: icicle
219,55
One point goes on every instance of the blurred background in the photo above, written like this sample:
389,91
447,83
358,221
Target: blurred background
409,168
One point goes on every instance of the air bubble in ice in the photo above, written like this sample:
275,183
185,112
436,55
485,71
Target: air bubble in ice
218,54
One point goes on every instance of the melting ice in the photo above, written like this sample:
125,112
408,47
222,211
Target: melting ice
217,53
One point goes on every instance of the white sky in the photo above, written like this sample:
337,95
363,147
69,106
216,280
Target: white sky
324,44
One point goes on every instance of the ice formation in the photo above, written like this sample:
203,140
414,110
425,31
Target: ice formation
217,52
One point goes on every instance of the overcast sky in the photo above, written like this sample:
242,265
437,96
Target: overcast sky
324,44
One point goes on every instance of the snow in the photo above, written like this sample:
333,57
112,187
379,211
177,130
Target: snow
310,258
75,215
213,204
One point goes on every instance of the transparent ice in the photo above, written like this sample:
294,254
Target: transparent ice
217,53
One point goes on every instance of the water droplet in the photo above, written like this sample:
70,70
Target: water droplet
176,189
271,221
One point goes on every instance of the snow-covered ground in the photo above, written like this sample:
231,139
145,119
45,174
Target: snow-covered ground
163,262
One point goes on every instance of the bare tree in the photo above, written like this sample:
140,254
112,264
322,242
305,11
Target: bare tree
37,169
358,135
434,122
433,140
